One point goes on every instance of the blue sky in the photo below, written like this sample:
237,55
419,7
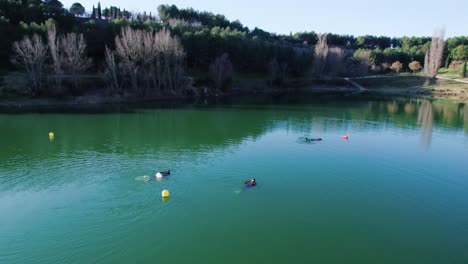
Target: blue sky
357,17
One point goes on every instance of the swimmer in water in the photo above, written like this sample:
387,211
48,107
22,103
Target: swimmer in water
250,183
313,139
163,174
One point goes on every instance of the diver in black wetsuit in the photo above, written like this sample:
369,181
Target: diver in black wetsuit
313,139
250,183
162,174
165,173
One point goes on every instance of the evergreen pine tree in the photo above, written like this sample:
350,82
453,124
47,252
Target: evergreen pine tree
99,13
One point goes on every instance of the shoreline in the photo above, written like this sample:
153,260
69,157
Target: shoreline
84,101
456,95
351,86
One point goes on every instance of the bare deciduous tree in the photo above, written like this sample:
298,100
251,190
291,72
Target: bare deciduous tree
54,45
221,72
73,55
385,66
68,55
112,71
415,66
54,49
129,49
433,59
150,59
396,66
426,63
31,54
335,61
171,57
321,54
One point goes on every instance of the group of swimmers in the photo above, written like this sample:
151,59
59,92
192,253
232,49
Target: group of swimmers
247,184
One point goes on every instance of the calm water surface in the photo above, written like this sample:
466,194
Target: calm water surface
395,192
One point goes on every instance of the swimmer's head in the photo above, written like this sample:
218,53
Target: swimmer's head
253,179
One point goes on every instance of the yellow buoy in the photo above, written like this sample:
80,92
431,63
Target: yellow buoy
165,194
51,135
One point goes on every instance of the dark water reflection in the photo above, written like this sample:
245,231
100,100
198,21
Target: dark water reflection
185,126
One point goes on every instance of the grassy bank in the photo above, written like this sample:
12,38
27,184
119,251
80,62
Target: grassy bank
416,85
451,74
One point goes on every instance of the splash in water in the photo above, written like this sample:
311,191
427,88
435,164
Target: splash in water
144,178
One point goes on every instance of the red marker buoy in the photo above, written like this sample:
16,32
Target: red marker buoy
345,137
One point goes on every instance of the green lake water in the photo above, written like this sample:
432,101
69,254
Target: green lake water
395,192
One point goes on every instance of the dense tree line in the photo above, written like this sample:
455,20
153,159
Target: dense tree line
207,41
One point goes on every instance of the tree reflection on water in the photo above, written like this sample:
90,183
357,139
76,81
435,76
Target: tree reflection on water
426,121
